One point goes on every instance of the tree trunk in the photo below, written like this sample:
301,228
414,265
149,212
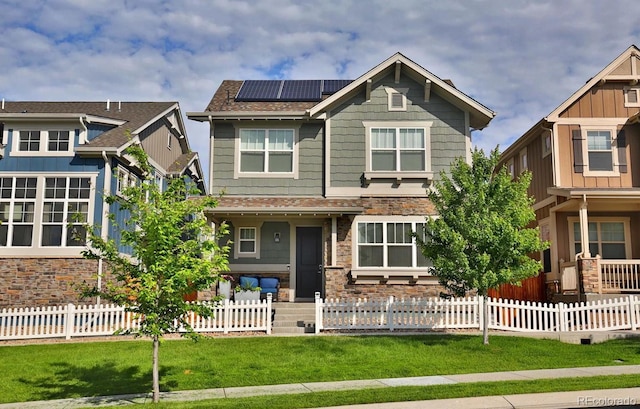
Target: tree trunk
485,319
156,375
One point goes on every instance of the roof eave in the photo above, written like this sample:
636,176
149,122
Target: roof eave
254,115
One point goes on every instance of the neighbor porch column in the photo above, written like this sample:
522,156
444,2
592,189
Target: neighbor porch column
584,229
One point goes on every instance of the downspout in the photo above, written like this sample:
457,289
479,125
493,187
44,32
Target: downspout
104,233
211,143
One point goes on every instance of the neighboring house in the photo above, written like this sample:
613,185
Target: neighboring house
585,161
58,160
324,180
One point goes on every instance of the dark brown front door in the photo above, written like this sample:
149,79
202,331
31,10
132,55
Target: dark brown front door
308,261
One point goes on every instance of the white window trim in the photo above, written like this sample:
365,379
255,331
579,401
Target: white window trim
627,232
511,169
372,174
294,174
124,178
523,160
613,131
236,248
627,90
386,271
67,220
546,149
394,91
44,140
36,249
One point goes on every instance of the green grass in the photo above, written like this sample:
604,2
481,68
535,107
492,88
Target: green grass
64,370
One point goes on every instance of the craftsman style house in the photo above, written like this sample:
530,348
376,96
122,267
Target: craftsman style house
58,161
585,161
324,180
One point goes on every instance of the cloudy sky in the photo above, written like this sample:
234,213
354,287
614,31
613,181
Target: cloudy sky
519,58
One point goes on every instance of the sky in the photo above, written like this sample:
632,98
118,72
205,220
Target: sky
519,58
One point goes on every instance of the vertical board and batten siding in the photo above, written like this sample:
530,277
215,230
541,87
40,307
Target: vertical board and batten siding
154,142
310,162
348,139
606,101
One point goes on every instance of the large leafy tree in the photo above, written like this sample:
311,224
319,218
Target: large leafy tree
480,239
174,252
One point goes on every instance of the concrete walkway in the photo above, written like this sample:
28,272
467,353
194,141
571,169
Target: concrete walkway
579,399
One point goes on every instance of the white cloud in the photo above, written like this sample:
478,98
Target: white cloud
520,58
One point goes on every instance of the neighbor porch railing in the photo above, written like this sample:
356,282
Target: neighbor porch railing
618,276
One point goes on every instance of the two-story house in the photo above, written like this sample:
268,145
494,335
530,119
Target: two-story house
325,180
58,161
585,160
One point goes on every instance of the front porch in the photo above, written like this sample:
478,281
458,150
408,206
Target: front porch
596,276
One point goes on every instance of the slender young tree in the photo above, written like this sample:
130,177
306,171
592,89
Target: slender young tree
480,239
174,252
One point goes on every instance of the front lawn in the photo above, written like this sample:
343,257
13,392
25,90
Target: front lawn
64,370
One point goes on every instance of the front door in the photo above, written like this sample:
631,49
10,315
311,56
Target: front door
308,261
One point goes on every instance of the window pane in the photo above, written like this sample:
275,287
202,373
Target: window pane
52,235
281,139
4,212
25,188
396,100
600,161
55,188
412,138
412,160
599,140
6,185
383,160
370,256
383,138
612,231
422,260
4,230
22,235
399,256
613,251
576,232
53,212
247,234
252,162
280,162
252,139
247,247
593,231
76,235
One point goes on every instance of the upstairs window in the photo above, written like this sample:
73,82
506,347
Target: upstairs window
524,162
29,141
268,151
58,141
43,142
632,97
600,151
398,149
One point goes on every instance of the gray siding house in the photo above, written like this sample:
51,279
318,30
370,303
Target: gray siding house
323,181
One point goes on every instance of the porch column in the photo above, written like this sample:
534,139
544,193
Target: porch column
584,229
334,240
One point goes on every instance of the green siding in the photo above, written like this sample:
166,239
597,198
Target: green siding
348,152
270,251
309,182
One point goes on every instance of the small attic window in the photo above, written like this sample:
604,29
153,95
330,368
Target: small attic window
632,97
397,99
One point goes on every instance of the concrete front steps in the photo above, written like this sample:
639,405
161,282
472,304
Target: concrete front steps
293,318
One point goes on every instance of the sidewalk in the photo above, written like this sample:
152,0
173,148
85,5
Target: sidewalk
584,399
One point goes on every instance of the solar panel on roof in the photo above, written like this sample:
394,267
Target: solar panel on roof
301,90
333,86
259,90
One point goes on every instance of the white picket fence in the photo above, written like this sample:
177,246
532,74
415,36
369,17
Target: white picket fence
509,315
99,320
